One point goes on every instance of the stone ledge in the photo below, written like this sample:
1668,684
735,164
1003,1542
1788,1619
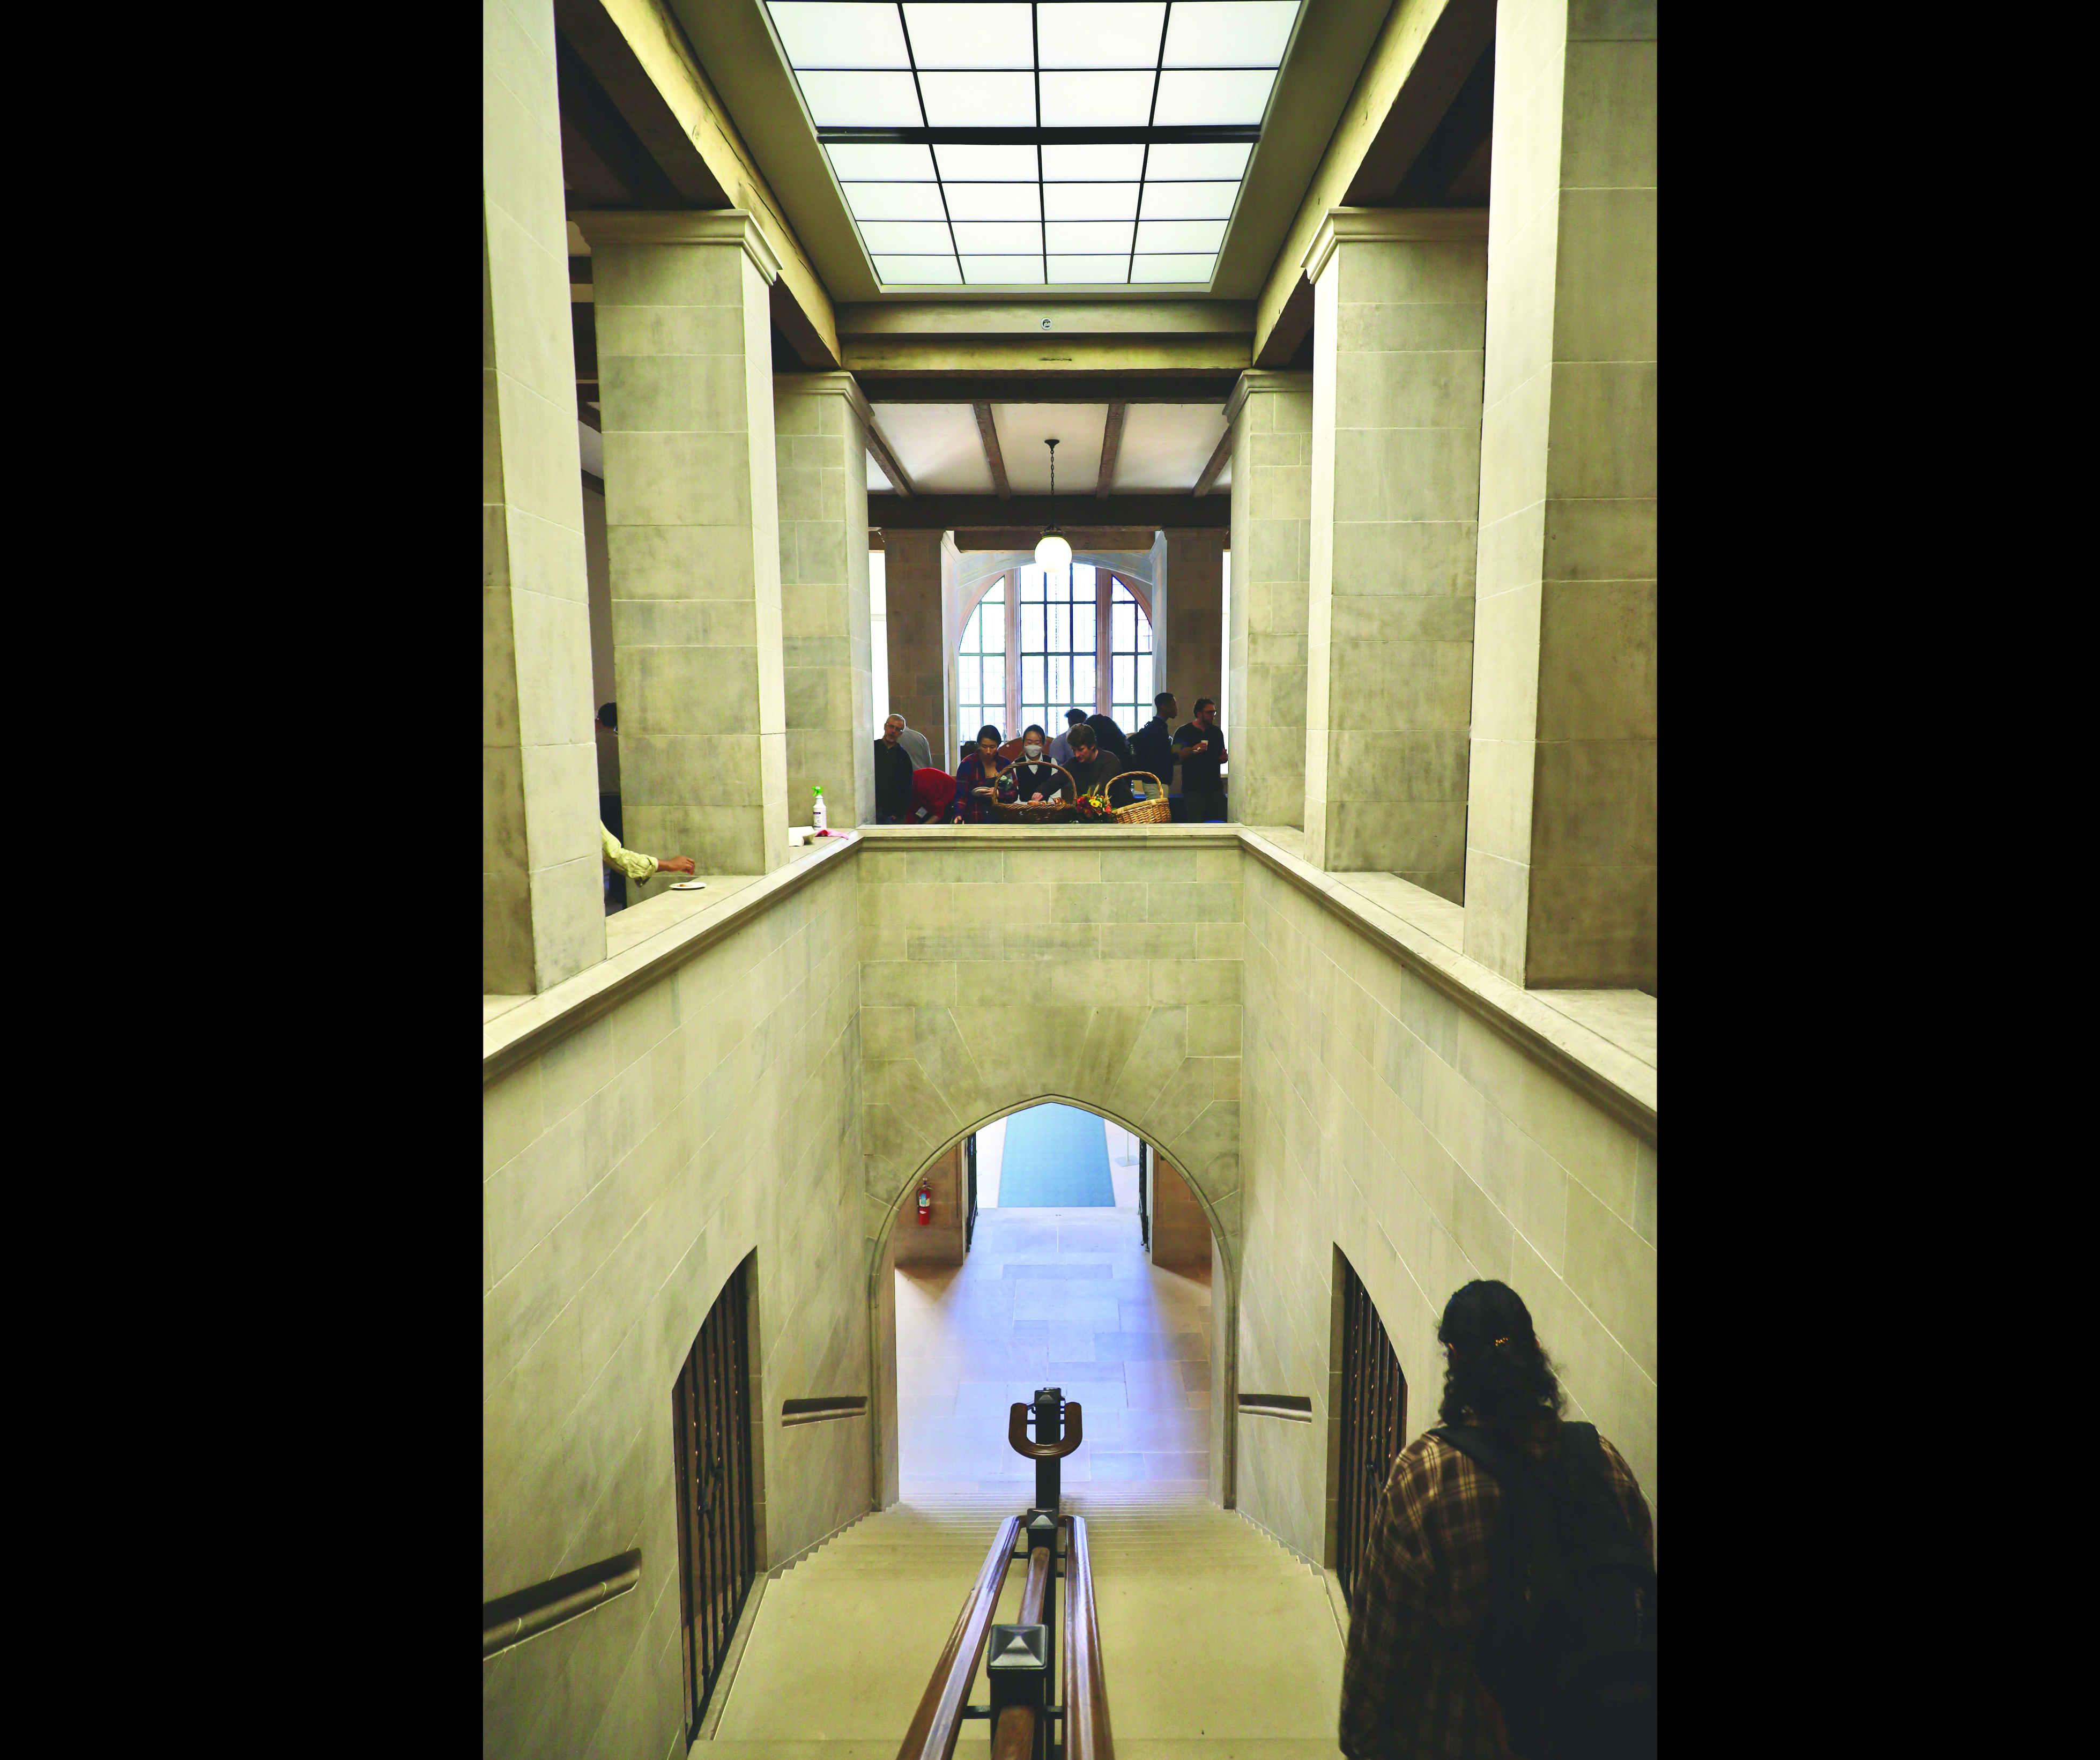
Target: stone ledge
1605,1070
518,1034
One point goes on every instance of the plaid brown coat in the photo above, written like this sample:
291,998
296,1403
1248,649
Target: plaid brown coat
1421,1599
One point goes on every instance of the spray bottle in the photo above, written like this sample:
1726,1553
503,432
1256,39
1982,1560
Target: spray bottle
817,811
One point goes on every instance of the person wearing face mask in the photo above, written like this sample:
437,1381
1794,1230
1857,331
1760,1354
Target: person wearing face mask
1032,776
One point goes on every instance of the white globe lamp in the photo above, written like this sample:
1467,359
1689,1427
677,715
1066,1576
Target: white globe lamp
1053,555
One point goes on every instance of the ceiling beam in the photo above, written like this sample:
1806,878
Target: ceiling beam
1211,388
879,444
1050,354
1111,444
989,435
1218,457
603,161
638,54
1121,318
937,513
1422,58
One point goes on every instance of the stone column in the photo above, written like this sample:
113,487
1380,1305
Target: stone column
685,349
820,423
1271,416
1400,302
919,672
542,914
1193,643
1560,856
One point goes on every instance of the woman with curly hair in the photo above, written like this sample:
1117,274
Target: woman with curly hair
1410,1687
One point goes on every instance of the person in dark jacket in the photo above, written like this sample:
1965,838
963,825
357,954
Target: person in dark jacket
1110,737
892,774
1091,767
1032,776
1200,747
1152,746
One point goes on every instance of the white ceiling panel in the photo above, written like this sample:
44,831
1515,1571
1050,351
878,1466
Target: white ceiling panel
877,477
1102,34
948,35
1166,446
1079,428
1228,32
938,446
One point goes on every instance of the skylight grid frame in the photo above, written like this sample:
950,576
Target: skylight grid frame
1040,132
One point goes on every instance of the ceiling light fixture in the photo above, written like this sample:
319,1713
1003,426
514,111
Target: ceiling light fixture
1051,552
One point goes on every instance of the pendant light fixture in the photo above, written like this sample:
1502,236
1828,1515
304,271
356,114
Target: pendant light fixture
1052,554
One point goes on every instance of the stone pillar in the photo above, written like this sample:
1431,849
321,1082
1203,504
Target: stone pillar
1193,642
951,625
685,349
920,673
1399,301
542,913
1560,856
1271,415
820,422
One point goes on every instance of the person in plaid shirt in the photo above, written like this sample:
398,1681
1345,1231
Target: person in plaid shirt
1420,1598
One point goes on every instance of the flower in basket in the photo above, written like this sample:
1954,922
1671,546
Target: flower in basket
1095,805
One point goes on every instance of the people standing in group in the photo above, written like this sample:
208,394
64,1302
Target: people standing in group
893,770
1200,748
1061,747
977,779
1032,776
1152,746
1427,1635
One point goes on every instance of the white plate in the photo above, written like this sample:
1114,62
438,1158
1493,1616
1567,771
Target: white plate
689,886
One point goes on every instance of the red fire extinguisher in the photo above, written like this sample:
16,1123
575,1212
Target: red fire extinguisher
925,1204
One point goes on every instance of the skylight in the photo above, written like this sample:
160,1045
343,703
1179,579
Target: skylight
1064,143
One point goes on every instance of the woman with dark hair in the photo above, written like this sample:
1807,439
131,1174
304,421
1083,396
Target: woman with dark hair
977,780
1032,776
1420,1604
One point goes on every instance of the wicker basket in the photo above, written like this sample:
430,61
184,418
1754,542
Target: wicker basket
1054,811
1153,811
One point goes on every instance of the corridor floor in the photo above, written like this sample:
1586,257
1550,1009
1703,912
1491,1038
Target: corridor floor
1063,1298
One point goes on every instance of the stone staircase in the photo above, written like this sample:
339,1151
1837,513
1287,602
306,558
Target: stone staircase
1217,1643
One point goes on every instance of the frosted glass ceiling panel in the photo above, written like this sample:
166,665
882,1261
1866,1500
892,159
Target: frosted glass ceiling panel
980,100
984,237
986,165
1189,201
1171,268
829,33
993,201
1212,95
976,115
970,36
1107,100
1083,164
872,160
894,201
1074,238
1180,234
1197,159
927,236
997,271
1090,201
861,101
917,271
1097,35
1228,32
1089,271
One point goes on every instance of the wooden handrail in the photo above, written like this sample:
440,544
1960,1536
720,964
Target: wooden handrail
1017,1434
512,1618
1013,1736
1086,1735
939,1719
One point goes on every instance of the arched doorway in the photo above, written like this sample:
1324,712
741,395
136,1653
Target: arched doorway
1110,1281
1034,644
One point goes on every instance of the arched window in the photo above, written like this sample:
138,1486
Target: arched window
1036,647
